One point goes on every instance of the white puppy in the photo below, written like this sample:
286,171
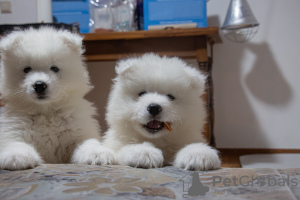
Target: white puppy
45,117
149,93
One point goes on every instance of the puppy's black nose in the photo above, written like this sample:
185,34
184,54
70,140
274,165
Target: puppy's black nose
39,87
154,109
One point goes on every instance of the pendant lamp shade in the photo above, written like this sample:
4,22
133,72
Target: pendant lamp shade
240,24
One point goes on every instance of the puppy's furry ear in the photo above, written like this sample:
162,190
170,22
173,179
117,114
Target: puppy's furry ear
9,41
124,67
73,41
197,79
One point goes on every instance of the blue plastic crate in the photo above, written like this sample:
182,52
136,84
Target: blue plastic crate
68,12
174,12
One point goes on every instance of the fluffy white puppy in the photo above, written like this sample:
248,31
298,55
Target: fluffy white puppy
150,93
45,117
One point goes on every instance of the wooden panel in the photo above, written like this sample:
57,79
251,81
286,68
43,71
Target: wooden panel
116,49
205,67
255,151
213,32
230,157
201,49
111,57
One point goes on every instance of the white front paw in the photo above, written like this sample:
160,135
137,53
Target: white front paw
18,156
91,152
141,155
198,156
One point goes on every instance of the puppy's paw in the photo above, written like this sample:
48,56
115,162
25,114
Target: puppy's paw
141,155
91,152
198,156
19,156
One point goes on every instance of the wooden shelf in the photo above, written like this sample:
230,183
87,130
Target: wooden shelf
108,57
213,32
174,42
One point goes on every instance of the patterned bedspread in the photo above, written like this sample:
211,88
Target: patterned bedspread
66,181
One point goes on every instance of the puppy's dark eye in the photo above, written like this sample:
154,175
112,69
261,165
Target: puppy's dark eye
171,97
54,68
142,93
27,69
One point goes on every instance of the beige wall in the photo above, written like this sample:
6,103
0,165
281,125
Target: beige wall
101,74
256,84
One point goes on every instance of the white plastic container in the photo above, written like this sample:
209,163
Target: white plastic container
112,15
101,15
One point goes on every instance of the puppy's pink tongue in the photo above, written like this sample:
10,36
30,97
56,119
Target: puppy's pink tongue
154,124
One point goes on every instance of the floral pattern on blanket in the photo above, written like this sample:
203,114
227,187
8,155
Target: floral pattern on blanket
83,180
67,181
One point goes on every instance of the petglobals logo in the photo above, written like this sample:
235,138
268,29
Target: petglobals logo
268,181
192,185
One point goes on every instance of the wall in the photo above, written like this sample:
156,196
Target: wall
257,90
256,84
101,74
25,11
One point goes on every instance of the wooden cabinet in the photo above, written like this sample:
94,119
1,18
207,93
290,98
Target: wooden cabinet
185,43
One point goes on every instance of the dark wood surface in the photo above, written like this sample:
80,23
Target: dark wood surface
211,31
174,42
231,157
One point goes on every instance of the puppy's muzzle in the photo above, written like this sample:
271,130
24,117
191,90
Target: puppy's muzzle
154,109
40,87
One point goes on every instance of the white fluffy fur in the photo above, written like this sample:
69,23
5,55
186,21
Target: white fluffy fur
185,147
140,155
59,128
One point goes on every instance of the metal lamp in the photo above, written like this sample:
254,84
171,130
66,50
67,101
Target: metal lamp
240,24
